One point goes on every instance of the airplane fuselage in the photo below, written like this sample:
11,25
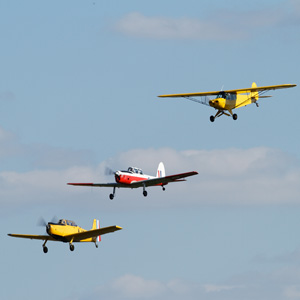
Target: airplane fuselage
128,178
58,231
231,101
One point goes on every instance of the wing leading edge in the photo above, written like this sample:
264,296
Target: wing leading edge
238,91
33,237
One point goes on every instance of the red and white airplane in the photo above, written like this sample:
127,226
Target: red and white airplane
134,178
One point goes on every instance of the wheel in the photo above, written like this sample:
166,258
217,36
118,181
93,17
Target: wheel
234,116
145,193
212,118
72,247
111,196
45,249
163,188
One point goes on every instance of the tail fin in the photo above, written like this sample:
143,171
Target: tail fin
161,170
96,225
254,95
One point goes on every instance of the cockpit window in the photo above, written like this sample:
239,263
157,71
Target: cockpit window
62,222
135,170
227,96
231,96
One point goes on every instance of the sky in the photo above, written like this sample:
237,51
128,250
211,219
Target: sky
79,82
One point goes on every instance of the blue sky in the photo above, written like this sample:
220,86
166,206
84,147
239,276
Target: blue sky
78,92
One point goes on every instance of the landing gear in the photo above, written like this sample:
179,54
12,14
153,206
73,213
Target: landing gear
234,116
212,118
145,193
72,247
163,188
111,196
45,249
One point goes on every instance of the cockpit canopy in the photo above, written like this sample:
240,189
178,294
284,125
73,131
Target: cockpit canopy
135,170
66,222
227,96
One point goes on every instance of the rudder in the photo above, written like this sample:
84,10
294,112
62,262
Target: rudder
254,95
96,225
161,172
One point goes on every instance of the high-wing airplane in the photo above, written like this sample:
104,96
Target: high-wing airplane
134,178
226,101
68,232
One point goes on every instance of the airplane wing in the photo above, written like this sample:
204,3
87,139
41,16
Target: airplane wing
190,95
261,88
238,91
162,180
113,184
91,233
33,237
137,184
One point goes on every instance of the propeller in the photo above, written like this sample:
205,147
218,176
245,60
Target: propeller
109,171
42,222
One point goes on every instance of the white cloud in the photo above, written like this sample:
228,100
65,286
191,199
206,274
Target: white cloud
220,25
212,288
292,292
130,286
255,176
138,25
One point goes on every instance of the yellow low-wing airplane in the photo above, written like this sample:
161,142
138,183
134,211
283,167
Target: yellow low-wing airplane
68,232
226,101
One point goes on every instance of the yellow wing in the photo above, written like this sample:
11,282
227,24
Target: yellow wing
261,88
238,91
76,237
33,237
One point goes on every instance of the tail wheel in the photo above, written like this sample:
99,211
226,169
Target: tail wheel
72,247
212,118
234,116
45,249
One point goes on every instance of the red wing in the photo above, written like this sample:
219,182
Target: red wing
147,182
164,180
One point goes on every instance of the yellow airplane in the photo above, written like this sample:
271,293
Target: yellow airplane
68,232
226,101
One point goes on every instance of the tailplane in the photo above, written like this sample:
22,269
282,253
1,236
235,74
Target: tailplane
161,170
96,225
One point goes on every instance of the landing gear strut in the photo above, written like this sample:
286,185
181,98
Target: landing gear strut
45,249
111,196
144,191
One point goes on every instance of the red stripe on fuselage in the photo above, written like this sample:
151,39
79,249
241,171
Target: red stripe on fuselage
129,178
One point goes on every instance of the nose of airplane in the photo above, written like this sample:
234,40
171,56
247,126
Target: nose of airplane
48,228
213,102
117,176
